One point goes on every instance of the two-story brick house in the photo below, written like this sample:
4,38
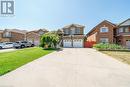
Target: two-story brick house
123,33
104,32
73,36
12,35
34,36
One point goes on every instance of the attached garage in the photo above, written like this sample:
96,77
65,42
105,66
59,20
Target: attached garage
77,43
73,42
67,43
34,41
33,37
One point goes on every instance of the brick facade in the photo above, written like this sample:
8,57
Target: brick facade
123,33
13,35
17,37
95,34
34,36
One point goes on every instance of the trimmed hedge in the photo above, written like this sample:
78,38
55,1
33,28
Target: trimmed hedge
103,46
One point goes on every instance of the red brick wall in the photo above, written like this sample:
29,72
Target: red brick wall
17,37
109,34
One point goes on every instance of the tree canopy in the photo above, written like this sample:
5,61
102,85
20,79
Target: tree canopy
50,40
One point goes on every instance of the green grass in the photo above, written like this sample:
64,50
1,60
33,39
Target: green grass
121,56
11,60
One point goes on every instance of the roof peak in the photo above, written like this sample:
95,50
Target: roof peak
124,22
101,23
77,25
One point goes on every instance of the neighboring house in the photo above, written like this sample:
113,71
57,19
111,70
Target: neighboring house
34,36
1,33
102,33
73,36
123,33
12,35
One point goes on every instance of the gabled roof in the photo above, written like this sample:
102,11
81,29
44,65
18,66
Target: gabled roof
35,31
44,30
125,23
114,25
76,25
16,30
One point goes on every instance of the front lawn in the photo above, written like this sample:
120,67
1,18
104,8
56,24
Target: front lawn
122,56
11,60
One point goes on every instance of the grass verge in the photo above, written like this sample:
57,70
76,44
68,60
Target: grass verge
119,55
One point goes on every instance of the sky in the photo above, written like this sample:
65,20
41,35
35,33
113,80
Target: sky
55,14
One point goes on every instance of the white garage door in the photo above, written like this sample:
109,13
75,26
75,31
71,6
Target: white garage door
67,43
128,43
77,43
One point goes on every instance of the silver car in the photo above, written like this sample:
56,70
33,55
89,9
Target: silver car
23,44
6,45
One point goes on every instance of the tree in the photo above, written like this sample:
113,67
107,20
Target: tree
50,40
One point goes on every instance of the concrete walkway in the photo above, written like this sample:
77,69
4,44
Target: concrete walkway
7,50
70,68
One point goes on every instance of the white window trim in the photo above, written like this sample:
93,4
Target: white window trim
104,41
102,28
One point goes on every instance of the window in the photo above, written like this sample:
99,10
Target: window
104,29
66,31
104,40
7,34
41,32
72,30
120,30
126,29
77,31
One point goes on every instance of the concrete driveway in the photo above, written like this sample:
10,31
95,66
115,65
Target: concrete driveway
70,68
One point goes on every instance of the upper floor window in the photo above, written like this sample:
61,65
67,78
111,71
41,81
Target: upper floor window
103,29
126,29
7,34
72,31
41,32
120,30
66,31
77,31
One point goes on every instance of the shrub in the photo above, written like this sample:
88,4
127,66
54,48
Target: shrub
102,46
49,40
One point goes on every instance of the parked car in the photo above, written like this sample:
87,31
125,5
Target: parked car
23,44
6,45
